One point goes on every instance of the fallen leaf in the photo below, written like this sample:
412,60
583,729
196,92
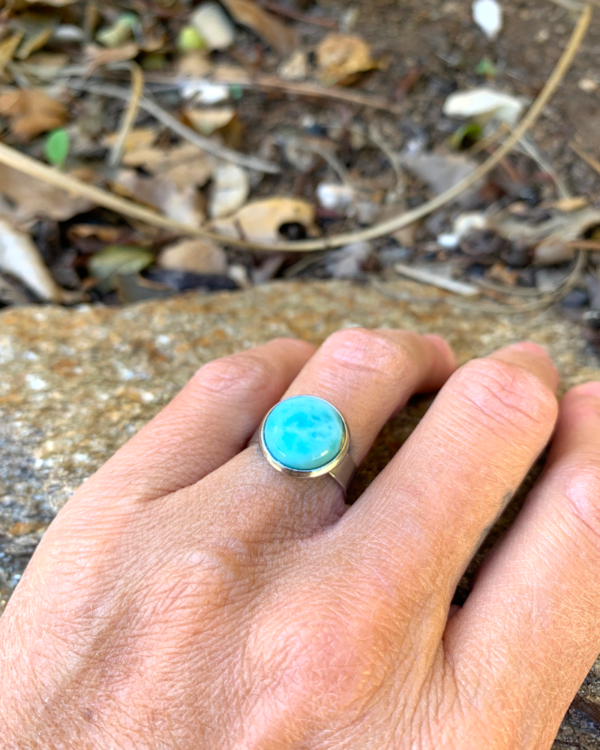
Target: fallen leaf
231,187
484,104
46,63
98,56
247,13
135,140
442,171
180,203
196,256
36,36
185,165
295,68
213,25
20,257
57,147
8,48
31,112
209,121
119,32
341,58
550,238
262,220
36,199
118,260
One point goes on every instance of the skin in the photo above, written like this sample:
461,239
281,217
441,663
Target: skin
190,596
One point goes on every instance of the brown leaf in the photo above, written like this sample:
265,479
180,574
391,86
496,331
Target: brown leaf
31,112
185,165
196,256
341,58
261,220
8,48
247,13
97,56
179,203
34,198
136,139
20,257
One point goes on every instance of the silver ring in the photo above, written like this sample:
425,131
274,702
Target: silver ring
307,437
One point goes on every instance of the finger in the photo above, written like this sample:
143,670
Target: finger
206,424
368,376
424,515
535,609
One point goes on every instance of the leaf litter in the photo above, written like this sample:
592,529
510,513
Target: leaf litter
247,124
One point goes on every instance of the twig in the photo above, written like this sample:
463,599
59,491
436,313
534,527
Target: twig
589,160
34,168
297,16
233,76
137,89
530,148
433,279
153,109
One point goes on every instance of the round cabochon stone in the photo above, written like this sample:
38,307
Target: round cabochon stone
304,433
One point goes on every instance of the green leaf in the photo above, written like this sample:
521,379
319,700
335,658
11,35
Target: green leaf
486,68
57,147
118,260
466,136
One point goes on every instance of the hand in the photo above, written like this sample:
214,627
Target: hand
190,596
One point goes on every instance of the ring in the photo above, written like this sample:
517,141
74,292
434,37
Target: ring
307,437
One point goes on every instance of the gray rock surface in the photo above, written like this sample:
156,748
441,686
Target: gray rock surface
76,384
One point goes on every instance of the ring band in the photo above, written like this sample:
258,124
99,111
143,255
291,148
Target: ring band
307,437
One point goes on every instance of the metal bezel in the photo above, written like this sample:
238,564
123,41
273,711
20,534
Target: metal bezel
311,473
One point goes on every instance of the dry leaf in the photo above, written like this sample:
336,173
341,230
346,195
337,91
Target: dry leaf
247,13
20,257
550,238
31,112
183,204
36,36
341,58
8,48
231,187
136,139
208,121
196,256
97,56
36,199
261,220
185,165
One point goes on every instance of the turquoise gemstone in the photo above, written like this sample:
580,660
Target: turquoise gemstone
304,433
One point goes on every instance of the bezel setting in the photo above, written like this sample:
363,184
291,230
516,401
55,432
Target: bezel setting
306,473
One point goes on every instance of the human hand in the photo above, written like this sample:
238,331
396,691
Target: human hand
190,596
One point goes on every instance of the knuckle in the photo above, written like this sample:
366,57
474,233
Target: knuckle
506,394
243,373
364,350
580,492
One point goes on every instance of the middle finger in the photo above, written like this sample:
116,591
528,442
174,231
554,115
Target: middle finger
424,517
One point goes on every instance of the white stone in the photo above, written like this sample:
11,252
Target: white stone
213,25
487,14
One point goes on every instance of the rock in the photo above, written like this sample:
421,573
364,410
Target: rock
62,415
213,25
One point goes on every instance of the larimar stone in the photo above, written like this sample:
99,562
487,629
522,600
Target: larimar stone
304,433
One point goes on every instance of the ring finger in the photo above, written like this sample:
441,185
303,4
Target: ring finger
367,376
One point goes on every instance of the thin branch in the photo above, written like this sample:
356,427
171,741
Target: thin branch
13,158
129,118
153,109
